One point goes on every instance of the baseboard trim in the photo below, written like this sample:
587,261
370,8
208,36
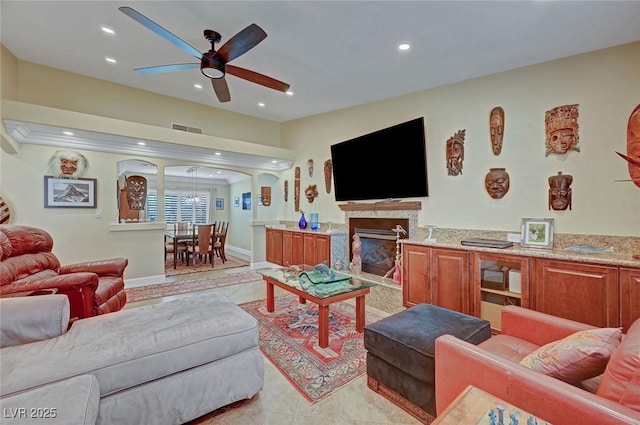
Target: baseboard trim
409,407
144,281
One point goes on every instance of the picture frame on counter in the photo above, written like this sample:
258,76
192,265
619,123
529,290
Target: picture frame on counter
537,233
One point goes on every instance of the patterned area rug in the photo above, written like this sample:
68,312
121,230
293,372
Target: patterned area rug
289,339
142,293
200,266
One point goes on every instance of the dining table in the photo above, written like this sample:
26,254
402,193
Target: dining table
188,235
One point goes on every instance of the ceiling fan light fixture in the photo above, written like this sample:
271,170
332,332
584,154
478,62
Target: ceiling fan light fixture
212,68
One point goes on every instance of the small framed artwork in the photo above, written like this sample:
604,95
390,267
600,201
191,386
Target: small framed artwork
69,193
259,200
246,201
537,233
236,201
219,203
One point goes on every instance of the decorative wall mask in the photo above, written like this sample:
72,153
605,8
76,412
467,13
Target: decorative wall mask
633,146
455,153
136,192
497,182
496,129
560,191
265,194
286,191
310,167
296,188
328,174
311,192
67,164
561,124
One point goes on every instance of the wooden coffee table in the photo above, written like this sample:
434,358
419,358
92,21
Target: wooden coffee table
320,295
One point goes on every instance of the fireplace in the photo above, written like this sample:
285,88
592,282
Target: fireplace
378,242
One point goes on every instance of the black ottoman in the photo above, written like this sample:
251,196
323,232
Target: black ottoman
401,353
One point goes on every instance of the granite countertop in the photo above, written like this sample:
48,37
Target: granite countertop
605,258
322,231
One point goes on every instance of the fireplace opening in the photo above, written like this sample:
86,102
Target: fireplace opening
378,241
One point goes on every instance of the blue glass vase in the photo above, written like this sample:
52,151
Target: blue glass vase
314,223
303,222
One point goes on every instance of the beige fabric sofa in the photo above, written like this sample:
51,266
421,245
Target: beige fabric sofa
165,363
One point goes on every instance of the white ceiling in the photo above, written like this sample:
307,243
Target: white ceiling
335,54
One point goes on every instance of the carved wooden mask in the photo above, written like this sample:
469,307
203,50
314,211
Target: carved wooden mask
560,191
497,182
496,129
328,174
561,124
311,193
455,153
136,192
265,195
296,188
310,167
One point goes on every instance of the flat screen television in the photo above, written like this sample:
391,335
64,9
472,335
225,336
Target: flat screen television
387,164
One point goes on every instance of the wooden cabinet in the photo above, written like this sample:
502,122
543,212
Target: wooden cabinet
438,276
577,291
316,249
629,297
274,246
498,280
292,248
416,284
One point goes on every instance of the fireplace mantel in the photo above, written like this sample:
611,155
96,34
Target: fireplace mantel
380,206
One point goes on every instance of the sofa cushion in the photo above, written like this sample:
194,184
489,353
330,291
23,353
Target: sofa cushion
134,346
578,357
508,347
621,378
73,401
29,319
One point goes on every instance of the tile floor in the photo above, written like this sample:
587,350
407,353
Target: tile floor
279,402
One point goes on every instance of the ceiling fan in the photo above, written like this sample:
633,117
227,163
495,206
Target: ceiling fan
214,63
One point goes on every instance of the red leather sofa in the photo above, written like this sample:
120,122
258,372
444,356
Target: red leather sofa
28,266
493,366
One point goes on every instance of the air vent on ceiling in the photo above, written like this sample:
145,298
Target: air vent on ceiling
186,128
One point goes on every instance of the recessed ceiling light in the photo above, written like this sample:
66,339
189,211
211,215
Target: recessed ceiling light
404,46
68,133
261,104
110,60
141,143
289,93
217,153
107,30
198,86
219,172
274,161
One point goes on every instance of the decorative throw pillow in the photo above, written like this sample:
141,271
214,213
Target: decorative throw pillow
621,379
578,357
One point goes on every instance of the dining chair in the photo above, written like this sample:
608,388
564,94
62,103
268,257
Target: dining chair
182,245
220,241
202,247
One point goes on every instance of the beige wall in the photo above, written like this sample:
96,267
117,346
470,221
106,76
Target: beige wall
605,84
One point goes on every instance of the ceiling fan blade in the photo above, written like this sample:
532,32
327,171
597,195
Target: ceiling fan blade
257,78
241,43
221,88
167,68
149,24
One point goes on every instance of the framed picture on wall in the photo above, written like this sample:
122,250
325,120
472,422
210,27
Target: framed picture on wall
259,200
246,201
236,201
70,193
219,203
537,233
